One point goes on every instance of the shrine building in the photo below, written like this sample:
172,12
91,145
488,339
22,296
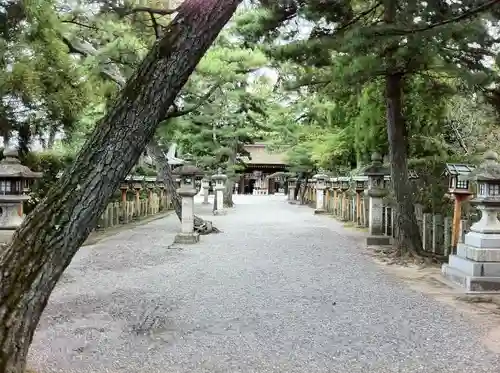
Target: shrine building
258,167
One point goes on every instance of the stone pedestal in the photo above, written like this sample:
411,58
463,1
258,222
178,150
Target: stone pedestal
205,186
376,192
320,186
476,265
220,181
375,223
320,201
187,234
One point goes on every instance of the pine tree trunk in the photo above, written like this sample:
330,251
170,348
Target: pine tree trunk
406,226
51,235
228,193
407,232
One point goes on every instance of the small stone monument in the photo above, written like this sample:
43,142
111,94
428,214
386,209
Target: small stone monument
187,191
15,181
376,191
220,181
291,189
205,186
476,266
320,192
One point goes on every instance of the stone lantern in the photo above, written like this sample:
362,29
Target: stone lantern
460,187
320,192
124,187
291,189
360,184
187,191
344,185
205,186
376,174
335,187
476,265
15,181
220,181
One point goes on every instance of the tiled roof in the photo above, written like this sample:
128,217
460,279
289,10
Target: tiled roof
261,155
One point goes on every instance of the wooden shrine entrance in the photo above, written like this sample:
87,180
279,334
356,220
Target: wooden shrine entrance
261,163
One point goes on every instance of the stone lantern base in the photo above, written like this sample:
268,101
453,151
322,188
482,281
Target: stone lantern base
476,265
378,241
187,238
6,235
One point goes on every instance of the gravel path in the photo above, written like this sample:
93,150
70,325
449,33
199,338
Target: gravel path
281,290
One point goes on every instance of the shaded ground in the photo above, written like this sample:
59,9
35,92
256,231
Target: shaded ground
281,290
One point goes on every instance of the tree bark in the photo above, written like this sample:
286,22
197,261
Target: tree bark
50,236
228,193
407,233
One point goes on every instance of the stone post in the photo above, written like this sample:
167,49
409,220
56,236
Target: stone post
376,191
187,191
220,181
205,186
476,265
291,189
138,188
320,192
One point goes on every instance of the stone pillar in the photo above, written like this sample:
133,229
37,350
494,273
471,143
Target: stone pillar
291,189
220,181
137,188
320,192
187,191
476,265
376,192
205,186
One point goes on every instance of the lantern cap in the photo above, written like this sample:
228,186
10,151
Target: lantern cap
376,157
376,168
489,170
11,167
219,175
188,170
320,176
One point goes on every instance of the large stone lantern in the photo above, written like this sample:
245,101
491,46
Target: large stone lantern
320,185
476,265
15,181
376,173
187,191
220,181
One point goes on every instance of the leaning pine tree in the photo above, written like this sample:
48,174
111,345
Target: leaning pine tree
51,235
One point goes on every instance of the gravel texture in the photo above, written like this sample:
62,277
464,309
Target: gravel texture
280,290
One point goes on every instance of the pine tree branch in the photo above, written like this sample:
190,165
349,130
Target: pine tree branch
124,11
358,17
175,113
156,26
468,14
